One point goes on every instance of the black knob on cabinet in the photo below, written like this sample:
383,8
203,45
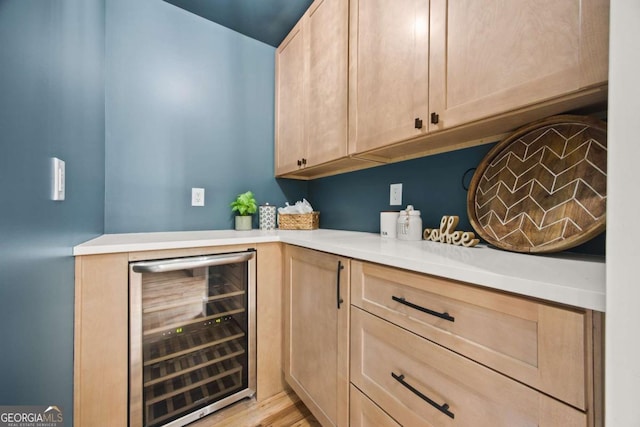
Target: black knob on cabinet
435,118
418,123
299,162
304,161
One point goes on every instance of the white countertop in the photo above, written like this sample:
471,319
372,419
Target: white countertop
564,278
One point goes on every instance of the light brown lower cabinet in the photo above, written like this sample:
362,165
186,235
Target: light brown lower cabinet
430,351
101,341
316,337
101,330
421,350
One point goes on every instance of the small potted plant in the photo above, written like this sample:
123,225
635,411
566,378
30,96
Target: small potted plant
245,205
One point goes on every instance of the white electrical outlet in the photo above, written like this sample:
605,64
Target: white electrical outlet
395,194
197,197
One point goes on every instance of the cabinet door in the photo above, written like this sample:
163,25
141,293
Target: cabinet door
316,342
388,71
492,56
289,114
311,89
326,38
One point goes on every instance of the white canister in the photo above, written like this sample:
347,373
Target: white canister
388,220
267,215
409,224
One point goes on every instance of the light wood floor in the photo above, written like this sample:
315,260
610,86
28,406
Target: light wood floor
282,410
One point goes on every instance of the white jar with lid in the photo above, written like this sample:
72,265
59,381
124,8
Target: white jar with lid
409,225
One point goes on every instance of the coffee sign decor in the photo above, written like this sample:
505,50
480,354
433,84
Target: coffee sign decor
447,233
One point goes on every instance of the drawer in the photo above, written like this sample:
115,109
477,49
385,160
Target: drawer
365,413
419,383
542,345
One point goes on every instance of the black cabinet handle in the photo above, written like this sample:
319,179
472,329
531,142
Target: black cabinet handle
338,299
304,161
444,315
444,408
418,123
435,118
299,162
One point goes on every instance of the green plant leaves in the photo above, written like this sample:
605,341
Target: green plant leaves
244,204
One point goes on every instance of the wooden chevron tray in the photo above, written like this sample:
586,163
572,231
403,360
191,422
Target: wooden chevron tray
544,188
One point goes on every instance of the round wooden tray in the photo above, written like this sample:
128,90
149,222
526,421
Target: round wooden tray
544,188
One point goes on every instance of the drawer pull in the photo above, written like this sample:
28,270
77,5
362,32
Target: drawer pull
444,315
444,408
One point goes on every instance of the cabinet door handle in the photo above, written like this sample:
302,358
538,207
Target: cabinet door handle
444,408
444,315
304,161
418,123
435,118
299,162
338,299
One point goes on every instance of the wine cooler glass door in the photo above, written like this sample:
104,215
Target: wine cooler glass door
191,336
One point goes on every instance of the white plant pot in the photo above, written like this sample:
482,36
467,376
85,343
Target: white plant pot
243,222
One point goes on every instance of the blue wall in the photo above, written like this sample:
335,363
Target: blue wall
188,104
51,104
433,185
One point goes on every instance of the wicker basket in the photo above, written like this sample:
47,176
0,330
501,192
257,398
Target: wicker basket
308,221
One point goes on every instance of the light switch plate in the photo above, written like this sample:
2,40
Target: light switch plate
57,179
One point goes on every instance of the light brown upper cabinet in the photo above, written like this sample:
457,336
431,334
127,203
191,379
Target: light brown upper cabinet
311,89
433,76
388,72
426,77
289,101
490,57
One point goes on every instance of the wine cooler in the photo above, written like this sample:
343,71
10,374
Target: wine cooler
192,336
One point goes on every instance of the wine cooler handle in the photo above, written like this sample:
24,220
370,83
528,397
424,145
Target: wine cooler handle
339,300
444,408
445,315
162,266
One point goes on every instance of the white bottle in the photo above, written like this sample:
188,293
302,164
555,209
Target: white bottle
409,224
